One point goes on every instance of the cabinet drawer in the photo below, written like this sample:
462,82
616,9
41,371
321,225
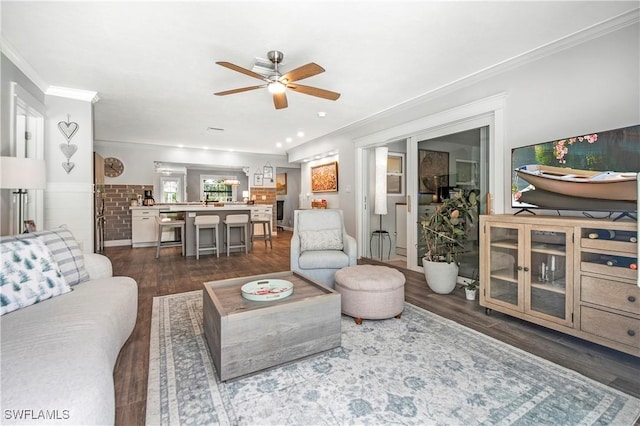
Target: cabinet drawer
613,294
608,270
610,326
143,213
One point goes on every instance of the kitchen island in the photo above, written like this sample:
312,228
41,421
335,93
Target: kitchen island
144,229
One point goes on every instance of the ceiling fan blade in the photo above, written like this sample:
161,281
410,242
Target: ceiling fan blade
242,89
304,71
314,91
242,70
280,100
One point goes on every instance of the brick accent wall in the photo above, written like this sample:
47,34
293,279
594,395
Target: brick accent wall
116,210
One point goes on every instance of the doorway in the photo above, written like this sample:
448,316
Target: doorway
433,167
450,164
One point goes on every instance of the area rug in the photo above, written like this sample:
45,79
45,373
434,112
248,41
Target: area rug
421,369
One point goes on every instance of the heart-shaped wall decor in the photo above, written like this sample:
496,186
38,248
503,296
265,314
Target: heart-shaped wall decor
68,149
68,129
68,166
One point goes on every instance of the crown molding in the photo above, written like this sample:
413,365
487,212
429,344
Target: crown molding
595,31
10,52
78,94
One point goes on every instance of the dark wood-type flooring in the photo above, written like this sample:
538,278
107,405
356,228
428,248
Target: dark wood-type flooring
172,273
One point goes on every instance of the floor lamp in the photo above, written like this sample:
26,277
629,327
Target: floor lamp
380,200
22,174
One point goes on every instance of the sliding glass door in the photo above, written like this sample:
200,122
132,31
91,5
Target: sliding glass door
448,165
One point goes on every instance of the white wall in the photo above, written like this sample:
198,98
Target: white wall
589,87
138,160
69,197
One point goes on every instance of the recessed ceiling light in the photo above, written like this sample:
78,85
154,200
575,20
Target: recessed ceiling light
180,146
205,147
279,144
317,157
306,160
230,150
288,140
300,134
322,114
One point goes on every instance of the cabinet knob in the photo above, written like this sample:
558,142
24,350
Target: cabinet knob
631,333
519,268
526,269
631,298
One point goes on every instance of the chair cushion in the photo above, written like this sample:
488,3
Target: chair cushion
328,239
207,219
237,218
323,259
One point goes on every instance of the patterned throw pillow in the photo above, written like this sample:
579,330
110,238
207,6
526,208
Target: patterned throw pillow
67,254
29,275
329,239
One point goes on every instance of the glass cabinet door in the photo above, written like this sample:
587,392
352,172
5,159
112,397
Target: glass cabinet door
504,252
550,273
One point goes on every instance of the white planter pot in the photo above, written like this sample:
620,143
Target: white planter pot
470,294
441,276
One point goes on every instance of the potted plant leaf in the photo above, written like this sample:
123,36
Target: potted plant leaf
445,233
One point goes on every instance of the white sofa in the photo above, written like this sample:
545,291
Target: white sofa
320,245
58,355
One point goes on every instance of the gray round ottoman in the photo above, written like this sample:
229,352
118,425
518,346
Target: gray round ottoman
370,292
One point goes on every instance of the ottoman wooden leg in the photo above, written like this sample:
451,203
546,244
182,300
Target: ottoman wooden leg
399,315
358,320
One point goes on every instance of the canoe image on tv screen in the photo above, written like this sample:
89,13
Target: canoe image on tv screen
590,172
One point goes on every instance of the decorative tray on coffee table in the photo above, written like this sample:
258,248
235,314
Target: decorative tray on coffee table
264,290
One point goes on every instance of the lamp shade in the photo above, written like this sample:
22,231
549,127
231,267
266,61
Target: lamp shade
22,173
380,201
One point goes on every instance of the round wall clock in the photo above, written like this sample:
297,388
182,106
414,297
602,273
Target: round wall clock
113,167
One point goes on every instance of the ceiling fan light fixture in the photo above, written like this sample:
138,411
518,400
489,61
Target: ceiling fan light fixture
276,87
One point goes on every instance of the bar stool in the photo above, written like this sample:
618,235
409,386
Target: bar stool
207,222
168,223
237,221
266,230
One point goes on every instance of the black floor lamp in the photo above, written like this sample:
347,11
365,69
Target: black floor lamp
380,200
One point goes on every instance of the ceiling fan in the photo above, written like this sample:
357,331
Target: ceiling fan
277,83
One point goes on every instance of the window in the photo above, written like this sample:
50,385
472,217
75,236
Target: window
212,188
395,173
169,191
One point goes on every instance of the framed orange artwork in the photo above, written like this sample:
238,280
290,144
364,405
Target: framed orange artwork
324,178
281,184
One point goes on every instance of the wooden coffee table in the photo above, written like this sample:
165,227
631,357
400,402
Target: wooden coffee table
246,336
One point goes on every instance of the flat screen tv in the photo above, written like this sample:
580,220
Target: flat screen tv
591,172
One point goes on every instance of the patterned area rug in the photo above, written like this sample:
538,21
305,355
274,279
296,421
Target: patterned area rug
420,369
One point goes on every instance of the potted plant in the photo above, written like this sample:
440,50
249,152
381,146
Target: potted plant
445,233
471,288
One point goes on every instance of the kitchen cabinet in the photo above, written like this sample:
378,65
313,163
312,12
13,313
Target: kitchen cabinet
144,228
570,274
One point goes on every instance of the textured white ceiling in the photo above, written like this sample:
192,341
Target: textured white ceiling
153,63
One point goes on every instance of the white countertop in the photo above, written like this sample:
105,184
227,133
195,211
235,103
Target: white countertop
198,207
